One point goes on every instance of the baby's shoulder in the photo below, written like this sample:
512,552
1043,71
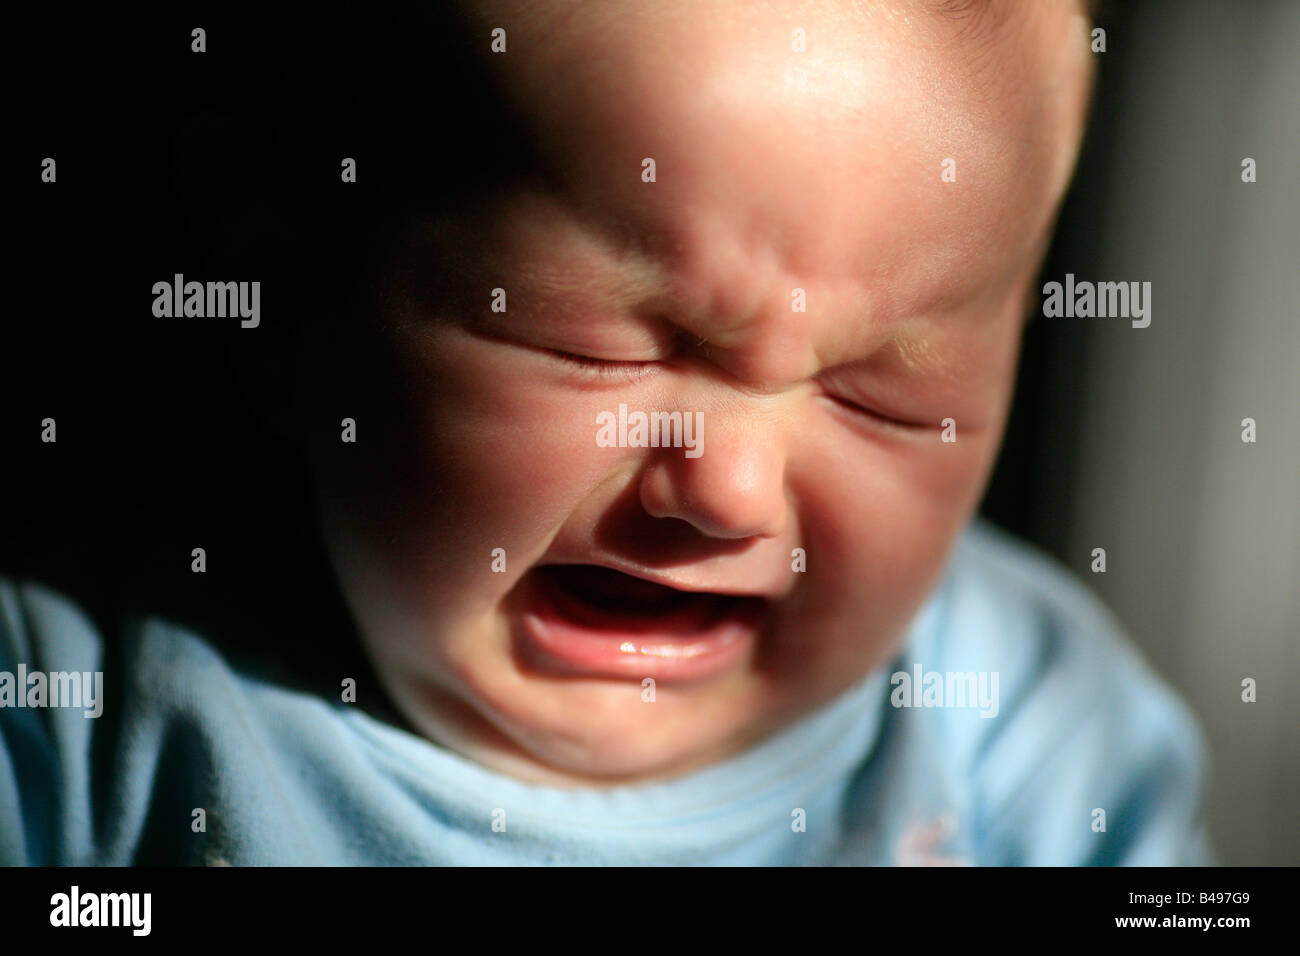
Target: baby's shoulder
152,667
49,630
1061,670
1012,606
1080,720
39,624
156,704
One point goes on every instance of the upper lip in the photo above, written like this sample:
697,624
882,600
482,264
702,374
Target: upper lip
670,580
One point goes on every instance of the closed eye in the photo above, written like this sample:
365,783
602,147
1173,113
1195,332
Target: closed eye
611,369
606,368
871,416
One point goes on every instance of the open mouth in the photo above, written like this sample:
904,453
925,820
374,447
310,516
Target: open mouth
586,620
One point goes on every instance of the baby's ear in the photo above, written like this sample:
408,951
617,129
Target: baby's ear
239,230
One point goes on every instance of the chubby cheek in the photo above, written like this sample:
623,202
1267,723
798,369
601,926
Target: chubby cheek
476,459
879,515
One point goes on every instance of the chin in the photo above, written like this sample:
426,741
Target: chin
567,731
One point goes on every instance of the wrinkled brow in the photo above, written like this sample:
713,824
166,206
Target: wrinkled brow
975,16
959,8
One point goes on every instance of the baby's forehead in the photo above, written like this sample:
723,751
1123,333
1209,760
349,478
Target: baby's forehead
710,122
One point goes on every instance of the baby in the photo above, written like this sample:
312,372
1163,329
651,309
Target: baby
648,474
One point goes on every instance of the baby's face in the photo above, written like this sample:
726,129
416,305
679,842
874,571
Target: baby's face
758,578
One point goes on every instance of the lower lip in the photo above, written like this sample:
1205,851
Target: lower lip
554,641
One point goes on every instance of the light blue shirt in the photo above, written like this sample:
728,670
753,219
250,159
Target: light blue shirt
1089,759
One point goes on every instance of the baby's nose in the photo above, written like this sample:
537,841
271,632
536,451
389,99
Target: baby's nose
734,489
